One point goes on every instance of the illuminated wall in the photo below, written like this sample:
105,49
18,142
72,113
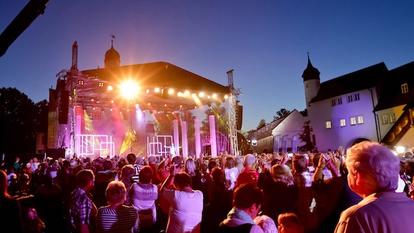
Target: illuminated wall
331,138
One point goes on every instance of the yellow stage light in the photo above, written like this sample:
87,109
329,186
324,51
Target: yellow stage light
157,90
226,97
214,96
109,88
129,89
171,91
201,94
186,93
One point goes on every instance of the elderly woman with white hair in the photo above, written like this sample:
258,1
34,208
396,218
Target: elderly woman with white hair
117,217
373,172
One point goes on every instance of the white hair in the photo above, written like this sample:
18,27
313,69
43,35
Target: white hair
249,160
377,161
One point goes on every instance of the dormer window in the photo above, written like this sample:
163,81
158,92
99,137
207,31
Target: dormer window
404,88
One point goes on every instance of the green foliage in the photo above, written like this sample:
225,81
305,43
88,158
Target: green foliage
20,119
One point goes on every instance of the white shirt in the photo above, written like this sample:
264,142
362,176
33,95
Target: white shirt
185,210
231,175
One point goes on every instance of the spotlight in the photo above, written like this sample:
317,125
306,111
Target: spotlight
226,97
157,90
214,96
109,88
201,94
186,93
171,91
129,89
400,149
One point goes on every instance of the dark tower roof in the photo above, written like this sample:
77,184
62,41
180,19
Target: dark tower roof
310,72
112,57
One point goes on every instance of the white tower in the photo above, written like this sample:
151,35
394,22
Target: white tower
311,81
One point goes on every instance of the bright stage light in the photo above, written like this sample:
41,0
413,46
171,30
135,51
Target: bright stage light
226,97
129,89
214,96
201,94
171,91
186,93
400,149
157,90
109,88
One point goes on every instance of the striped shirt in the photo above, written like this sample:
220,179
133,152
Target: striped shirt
124,219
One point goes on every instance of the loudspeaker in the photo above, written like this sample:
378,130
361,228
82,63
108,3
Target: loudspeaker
239,116
63,107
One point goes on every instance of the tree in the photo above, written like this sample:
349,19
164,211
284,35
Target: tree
306,136
222,119
262,123
18,116
281,113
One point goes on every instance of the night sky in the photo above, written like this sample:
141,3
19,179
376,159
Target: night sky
265,42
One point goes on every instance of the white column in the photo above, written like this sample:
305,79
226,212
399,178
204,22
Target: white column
176,137
197,137
184,139
78,128
213,139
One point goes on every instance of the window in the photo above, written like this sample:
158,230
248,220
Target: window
328,124
81,82
342,122
339,101
392,117
333,102
360,120
353,120
352,98
404,88
384,119
356,97
100,84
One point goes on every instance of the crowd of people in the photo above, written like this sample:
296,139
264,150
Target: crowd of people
286,193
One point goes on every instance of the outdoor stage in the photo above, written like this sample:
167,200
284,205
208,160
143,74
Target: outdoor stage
147,109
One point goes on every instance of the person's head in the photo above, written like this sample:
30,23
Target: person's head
85,179
230,162
281,173
212,163
115,193
3,184
371,168
107,165
249,160
190,167
131,158
182,180
127,172
152,160
289,223
218,176
248,197
145,175
299,164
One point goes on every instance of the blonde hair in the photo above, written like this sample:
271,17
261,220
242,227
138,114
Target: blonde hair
115,192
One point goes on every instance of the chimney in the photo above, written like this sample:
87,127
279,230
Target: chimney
74,56
230,78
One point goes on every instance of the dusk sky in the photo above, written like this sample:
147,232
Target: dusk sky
265,42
